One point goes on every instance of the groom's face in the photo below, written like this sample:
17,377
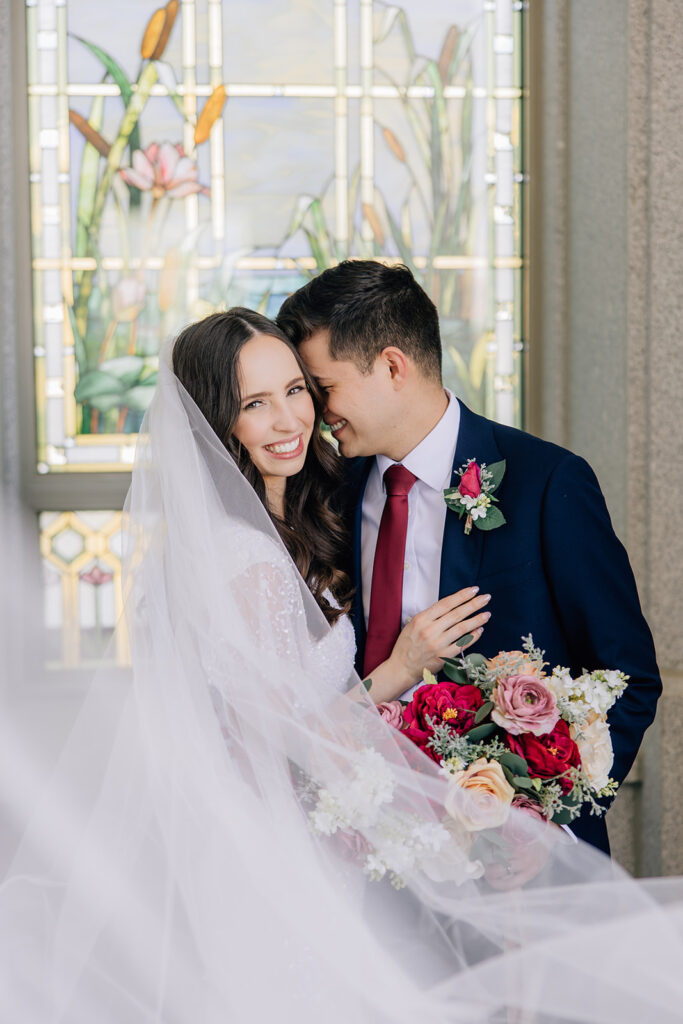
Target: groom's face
359,407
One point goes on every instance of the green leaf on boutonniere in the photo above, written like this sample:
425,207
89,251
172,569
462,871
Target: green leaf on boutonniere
455,506
496,473
492,520
483,711
450,491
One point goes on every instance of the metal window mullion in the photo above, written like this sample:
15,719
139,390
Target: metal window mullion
367,126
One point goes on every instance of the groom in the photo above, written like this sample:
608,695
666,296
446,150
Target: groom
369,334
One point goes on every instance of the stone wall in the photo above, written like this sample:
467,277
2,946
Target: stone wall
606,357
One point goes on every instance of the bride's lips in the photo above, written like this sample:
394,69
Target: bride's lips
289,449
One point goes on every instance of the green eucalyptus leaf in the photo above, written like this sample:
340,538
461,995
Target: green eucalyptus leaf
563,817
522,782
483,711
515,763
475,660
454,672
537,784
480,732
493,519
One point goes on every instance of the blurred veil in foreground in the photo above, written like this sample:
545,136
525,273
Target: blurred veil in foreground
231,833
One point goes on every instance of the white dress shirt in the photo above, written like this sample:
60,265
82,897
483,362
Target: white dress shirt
432,463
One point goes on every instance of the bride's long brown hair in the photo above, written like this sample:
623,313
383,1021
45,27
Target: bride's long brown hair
205,360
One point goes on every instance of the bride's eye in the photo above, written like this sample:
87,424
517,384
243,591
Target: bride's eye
254,404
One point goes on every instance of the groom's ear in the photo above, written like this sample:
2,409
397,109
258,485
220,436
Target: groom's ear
396,364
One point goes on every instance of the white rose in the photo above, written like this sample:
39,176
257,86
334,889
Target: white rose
595,746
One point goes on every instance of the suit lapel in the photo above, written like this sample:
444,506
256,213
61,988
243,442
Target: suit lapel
460,554
360,479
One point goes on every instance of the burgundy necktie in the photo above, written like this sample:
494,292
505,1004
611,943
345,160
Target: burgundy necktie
386,594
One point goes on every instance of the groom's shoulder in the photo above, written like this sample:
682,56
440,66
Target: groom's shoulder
531,452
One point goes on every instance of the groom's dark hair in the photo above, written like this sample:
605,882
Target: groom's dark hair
367,306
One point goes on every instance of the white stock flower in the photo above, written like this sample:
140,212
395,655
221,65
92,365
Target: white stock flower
597,756
589,695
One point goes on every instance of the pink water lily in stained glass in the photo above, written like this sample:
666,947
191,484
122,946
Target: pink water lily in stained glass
164,170
96,576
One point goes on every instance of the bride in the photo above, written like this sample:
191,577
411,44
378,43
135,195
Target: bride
232,832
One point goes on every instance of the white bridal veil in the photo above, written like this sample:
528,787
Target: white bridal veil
208,846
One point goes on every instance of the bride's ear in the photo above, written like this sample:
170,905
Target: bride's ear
396,363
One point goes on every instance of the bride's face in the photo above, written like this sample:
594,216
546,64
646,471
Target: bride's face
277,415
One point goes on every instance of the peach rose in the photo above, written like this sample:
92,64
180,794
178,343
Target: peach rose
595,747
480,796
524,668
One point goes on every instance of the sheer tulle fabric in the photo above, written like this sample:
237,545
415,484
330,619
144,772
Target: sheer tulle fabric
168,870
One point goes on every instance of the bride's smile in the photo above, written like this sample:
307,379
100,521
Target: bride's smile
286,449
277,415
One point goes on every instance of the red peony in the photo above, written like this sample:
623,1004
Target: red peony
451,703
470,484
548,755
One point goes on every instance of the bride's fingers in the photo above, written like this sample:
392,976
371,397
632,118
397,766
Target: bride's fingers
463,612
453,633
458,601
462,643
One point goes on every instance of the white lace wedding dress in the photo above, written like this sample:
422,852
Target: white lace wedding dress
170,873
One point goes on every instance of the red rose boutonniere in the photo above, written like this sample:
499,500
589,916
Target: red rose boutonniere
474,497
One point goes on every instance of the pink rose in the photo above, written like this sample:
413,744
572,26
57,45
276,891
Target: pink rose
351,845
527,846
392,713
470,484
522,827
529,806
524,704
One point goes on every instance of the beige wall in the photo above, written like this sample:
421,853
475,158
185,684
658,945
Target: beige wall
606,358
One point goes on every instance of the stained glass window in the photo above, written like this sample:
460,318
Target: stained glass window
82,587
211,152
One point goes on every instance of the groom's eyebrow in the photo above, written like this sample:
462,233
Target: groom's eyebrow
268,394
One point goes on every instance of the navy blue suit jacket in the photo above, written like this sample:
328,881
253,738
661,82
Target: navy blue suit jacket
556,570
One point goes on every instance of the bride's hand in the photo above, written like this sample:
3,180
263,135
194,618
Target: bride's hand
428,639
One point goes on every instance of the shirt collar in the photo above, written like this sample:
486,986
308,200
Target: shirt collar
432,459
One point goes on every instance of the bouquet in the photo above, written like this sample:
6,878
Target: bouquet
508,734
